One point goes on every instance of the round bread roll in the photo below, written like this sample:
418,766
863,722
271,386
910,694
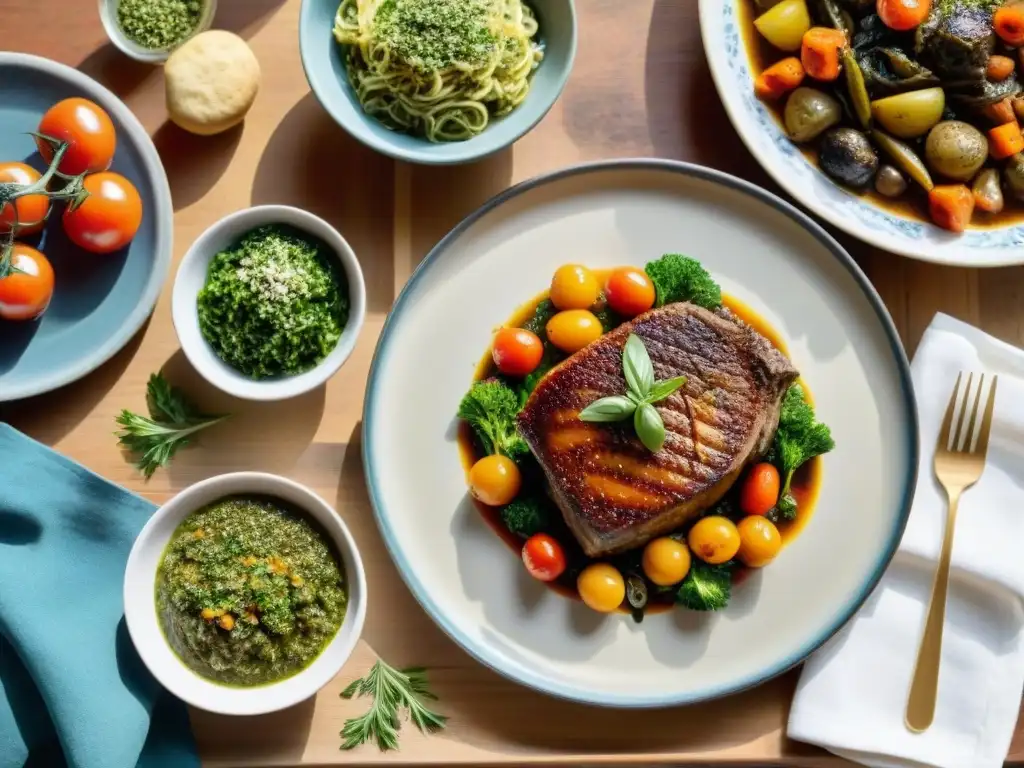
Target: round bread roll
212,80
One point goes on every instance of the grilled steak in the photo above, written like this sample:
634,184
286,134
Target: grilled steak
613,492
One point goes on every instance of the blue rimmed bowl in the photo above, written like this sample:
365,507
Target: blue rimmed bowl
721,28
100,300
324,62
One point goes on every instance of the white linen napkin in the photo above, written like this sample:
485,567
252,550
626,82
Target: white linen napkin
852,693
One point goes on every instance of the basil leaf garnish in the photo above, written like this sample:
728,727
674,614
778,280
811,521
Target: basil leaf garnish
637,367
649,427
663,389
608,409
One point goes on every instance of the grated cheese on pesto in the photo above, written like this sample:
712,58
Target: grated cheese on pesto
272,305
433,35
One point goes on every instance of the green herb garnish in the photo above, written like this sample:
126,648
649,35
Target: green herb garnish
173,420
491,407
799,438
706,587
681,278
391,689
158,24
642,391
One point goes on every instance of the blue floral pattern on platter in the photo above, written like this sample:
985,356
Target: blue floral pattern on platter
840,203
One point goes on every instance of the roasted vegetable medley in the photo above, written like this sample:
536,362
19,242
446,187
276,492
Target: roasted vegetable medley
908,97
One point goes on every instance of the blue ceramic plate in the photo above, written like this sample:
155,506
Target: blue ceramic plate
99,301
323,60
720,23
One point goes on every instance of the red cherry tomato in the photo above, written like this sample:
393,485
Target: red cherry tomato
543,557
516,351
760,491
629,291
30,209
88,130
109,217
26,291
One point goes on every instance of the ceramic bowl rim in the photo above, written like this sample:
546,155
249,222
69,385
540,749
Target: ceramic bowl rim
219,374
424,156
480,651
265,698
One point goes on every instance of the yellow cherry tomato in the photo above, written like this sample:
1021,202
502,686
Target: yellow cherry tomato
714,539
760,541
574,287
495,480
573,329
601,587
666,561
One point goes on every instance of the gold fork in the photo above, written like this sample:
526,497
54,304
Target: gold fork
957,467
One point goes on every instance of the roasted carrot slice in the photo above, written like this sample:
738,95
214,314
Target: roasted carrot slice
779,79
819,52
1000,112
999,68
1005,140
1008,23
951,206
903,15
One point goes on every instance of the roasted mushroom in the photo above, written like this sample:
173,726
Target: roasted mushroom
955,150
809,113
847,156
890,182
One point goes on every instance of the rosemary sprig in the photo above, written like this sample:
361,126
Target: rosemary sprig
171,423
391,689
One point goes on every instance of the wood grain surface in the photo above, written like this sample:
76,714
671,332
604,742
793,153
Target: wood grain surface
640,87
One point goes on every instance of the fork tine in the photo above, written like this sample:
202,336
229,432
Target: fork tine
986,422
969,438
947,420
963,414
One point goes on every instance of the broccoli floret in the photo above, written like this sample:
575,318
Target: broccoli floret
526,516
490,407
545,311
706,587
680,278
798,439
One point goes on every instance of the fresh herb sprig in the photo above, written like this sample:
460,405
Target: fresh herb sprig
391,689
642,392
171,423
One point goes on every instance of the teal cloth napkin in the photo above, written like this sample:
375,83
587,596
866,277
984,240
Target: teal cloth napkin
73,691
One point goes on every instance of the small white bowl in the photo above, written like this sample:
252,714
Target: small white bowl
191,277
108,15
144,625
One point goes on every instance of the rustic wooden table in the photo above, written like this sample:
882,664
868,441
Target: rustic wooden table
640,87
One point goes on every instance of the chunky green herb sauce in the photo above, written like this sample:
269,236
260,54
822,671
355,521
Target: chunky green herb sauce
158,24
273,305
249,593
433,35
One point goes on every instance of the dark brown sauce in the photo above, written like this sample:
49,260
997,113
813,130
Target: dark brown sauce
913,204
805,486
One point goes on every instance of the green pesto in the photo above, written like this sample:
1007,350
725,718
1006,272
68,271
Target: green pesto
948,6
249,592
433,35
158,24
272,304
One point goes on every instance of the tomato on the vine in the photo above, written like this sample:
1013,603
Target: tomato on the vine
27,211
543,557
108,218
88,130
26,291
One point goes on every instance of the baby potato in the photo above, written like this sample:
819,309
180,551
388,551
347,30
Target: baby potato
601,587
574,287
714,539
666,561
573,329
911,114
784,24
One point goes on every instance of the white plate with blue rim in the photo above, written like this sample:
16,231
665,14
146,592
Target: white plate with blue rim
763,252
721,24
